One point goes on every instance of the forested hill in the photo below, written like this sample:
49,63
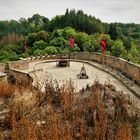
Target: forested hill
79,21
44,36
75,19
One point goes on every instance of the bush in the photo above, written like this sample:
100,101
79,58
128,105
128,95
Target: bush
133,54
39,45
11,56
59,42
38,52
49,50
6,89
117,49
24,55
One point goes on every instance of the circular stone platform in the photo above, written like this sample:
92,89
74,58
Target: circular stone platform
66,73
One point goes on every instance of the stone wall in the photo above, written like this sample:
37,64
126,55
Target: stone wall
20,65
21,78
129,69
3,78
2,67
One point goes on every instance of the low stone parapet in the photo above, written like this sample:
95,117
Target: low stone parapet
2,67
20,77
129,69
20,65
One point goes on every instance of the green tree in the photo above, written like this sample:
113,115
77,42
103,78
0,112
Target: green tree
118,48
12,48
41,45
56,33
50,50
77,20
31,39
69,32
38,52
59,42
89,46
75,49
24,55
39,21
134,54
80,39
115,31
42,35
127,42
68,49
65,50
6,56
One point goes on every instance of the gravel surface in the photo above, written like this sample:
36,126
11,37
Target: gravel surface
64,74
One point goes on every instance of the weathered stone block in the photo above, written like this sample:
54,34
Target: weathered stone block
20,65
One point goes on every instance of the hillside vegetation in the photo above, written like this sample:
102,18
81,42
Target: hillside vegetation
46,36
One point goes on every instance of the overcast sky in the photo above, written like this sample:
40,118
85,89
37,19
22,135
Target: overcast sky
126,11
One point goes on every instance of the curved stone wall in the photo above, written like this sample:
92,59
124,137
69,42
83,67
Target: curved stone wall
20,65
21,78
2,67
128,69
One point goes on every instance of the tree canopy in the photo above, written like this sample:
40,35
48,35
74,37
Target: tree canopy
44,36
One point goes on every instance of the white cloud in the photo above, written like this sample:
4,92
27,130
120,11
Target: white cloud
106,10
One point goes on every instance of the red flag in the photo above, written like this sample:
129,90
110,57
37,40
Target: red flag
103,45
25,46
71,42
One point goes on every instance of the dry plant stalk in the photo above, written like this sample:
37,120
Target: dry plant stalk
1,136
62,115
6,90
14,124
38,78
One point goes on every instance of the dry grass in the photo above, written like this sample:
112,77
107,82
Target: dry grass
6,90
62,114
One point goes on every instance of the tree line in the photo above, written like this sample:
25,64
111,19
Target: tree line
46,36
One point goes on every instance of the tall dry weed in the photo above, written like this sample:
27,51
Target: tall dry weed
62,114
6,89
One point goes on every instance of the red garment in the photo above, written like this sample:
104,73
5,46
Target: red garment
25,46
103,45
71,42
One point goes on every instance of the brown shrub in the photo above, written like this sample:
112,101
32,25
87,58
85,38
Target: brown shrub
6,89
66,115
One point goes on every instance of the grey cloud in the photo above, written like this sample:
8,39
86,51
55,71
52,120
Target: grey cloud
106,10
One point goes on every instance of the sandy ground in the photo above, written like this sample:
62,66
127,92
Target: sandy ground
64,74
